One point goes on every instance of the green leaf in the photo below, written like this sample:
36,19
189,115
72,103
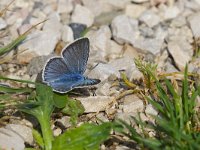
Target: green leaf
60,100
73,108
42,109
86,137
38,138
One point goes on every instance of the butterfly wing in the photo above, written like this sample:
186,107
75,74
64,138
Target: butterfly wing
67,83
54,68
76,55
87,82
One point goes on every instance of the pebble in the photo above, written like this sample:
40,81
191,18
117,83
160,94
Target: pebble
130,51
139,1
127,117
134,10
82,15
194,24
106,18
23,131
65,6
153,44
57,132
107,70
3,24
150,110
65,121
178,54
122,36
95,103
150,18
98,7
100,41
169,12
67,34
10,140
128,65
132,104
38,43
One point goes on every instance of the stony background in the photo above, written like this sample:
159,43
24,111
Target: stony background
162,31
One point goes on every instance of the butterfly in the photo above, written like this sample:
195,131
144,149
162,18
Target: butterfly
66,72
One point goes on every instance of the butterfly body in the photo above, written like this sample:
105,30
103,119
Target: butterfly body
66,72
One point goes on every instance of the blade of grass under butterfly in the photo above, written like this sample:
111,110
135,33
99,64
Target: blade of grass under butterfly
7,89
17,80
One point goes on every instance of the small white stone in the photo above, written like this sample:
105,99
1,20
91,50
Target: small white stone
118,4
178,54
195,24
115,50
150,18
10,140
65,121
98,7
140,1
130,51
37,44
103,71
22,130
67,34
127,64
65,6
171,12
150,110
57,132
125,29
95,103
100,42
132,104
3,24
82,15
134,10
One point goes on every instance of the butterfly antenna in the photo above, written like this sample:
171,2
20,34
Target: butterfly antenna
92,69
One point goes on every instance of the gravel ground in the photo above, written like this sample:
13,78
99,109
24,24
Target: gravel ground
165,32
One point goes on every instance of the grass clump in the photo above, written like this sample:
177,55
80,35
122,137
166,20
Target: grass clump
177,124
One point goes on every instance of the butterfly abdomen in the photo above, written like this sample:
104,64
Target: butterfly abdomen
88,81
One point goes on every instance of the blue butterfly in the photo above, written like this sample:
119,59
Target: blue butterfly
65,73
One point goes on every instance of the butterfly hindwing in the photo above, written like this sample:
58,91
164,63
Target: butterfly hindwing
76,55
66,83
54,68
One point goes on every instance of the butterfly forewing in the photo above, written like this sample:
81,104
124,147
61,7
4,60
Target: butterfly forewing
76,55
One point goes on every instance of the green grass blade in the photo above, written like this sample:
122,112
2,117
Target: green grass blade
17,80
185,96
6,89
17,41
12,45
177,116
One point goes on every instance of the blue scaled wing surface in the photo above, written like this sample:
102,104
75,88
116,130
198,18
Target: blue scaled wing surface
66,72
